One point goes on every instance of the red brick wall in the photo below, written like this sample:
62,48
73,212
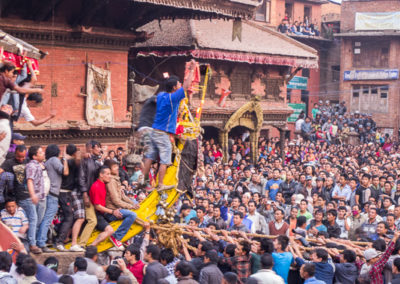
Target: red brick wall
65,67
391,118
349,9
278,12
384,120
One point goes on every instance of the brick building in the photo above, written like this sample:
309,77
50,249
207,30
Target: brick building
370,60
322,82
251,61
77,33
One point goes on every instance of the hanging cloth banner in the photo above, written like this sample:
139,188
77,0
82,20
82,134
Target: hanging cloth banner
99,107
194,87
377,21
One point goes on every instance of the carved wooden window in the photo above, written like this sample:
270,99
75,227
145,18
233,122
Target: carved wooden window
263,12
240,82
370,98
371,54
273,88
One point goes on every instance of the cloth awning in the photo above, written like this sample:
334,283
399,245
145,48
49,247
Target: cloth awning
236,57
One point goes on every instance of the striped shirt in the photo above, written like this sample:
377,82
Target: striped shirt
14,222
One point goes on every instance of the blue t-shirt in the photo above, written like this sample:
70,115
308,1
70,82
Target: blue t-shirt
272,187
282,262
320,228
167,110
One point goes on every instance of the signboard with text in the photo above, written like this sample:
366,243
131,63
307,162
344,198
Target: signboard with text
298,108
359,75
298,83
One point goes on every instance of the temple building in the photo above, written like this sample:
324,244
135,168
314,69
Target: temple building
250,65
85,71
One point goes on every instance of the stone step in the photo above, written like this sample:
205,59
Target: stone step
64,259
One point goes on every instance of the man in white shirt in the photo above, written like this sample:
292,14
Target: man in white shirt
93,268
34,100
344,222
80,275
266,275
259,223
298,124
342,190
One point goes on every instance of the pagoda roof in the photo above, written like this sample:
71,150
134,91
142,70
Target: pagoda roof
213,39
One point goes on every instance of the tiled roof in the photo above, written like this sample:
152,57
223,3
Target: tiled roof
217,35
231,8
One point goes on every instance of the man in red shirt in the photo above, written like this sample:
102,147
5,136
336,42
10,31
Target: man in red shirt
135,264
105,215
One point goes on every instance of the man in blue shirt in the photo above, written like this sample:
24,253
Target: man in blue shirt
272,185
282,258
164,125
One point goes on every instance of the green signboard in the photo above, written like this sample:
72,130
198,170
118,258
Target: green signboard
298,83
298,108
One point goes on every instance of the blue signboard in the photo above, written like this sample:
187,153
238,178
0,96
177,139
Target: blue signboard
298,83
359,75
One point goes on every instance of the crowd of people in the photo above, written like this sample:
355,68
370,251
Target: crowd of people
314,211
333,124
306,28
317,198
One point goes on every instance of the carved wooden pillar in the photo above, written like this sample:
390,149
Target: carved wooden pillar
254,135
223,138
282,136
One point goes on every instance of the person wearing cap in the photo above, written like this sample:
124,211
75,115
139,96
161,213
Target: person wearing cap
375,262
308,188
17,139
